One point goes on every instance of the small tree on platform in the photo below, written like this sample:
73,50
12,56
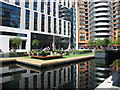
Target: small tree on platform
15,42
35,43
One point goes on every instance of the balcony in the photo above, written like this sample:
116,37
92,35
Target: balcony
101,4
102,18
101,34
102,29
102,23
102,14
102,9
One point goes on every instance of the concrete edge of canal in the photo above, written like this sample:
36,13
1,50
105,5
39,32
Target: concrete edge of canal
42,63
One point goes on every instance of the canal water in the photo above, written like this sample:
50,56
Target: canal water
85,74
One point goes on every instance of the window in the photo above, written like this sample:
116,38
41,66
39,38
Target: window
35,21
42,22
69,29
54,8
55,25
35,5
64,27
48,7
27,3
42,6
10,15
49,24
17,2
27,19
82,36
60,25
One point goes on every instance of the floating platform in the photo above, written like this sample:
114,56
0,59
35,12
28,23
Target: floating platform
45,63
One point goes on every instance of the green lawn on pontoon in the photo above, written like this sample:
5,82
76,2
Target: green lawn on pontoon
67,56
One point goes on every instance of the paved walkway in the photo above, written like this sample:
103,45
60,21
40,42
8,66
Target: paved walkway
41,63
111,83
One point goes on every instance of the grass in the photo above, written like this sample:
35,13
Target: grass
68,56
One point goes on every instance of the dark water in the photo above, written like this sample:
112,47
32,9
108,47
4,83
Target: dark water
87,74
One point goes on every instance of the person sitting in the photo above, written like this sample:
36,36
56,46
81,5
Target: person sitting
43,53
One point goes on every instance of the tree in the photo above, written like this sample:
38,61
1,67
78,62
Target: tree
15,42
91,42
116,41
35,43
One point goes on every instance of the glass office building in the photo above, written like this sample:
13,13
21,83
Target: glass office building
45,20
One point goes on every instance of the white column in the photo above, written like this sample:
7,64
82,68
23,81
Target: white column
77,28
62,27
31,20
28,41
57,25
39,22
22,18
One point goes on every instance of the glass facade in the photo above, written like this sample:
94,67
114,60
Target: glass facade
55,25
42,22
35,5
42,6
60,25
27,19
64,27
54,8
17,2
27,3
9,15
35,21
48,8
49,24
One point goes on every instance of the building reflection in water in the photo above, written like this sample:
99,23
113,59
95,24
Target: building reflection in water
14,76
93,73
88,74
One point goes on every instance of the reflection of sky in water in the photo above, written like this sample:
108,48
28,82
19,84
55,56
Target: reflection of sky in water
79,75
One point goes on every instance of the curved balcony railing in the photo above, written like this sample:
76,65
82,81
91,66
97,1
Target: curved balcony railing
102,29
101,34
100,23
102,9
102,14
102,18
101,4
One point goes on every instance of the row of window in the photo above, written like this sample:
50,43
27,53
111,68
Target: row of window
9,15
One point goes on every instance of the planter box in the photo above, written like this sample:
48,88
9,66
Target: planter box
101,55
18,55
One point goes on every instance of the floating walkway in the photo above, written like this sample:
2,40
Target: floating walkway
44,63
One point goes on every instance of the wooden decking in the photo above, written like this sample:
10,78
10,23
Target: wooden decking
44,63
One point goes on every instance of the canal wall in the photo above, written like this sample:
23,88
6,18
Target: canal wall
108,55
45,63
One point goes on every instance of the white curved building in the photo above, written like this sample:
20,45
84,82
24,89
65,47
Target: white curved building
100,19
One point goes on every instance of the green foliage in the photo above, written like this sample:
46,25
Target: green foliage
81,51
99,42
17,53
35,43
91,42
16,41
117,41
100,51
